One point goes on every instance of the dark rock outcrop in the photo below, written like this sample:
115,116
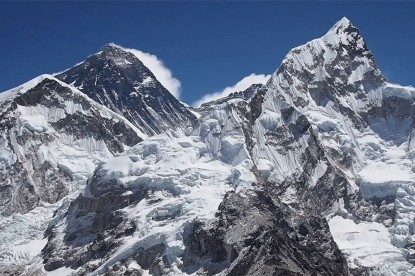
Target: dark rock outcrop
118,80
256,235
34,176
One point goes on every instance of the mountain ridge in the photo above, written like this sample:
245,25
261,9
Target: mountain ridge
298,145
117,79
310,174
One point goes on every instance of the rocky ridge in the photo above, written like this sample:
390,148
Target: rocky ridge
54,136
118,80
286,180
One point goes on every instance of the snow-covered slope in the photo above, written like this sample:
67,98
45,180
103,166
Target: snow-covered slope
52,137
364,126
311,174
161,186
235,96
327,138
117,79
162,196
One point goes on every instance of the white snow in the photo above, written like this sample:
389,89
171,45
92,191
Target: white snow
190,172
7,157
391,89
265,167
157,67
21,235
289,196
381,155
365,244
29,250
379,172
318,172
62,271
8,94
21,238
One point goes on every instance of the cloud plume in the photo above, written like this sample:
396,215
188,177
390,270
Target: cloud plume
239,86
162,73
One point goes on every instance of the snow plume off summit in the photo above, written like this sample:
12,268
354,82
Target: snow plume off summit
106,173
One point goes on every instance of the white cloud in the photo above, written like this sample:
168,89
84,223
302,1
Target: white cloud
239,86
162,73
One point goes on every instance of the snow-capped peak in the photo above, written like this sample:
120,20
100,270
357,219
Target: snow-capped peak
12,93
341,39
23,88
346,34
122,82
341,25
341,59
111,49
110,45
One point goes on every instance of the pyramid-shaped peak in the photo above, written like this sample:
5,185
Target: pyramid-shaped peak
334,54
344,22
119,55
344,33
344,25
111,47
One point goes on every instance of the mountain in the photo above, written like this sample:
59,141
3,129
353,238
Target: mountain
310,174
360,126
244,95
162,195
53,134
52,138
118,80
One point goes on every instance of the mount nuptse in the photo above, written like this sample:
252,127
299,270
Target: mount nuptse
310,174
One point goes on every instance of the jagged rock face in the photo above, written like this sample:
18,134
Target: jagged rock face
220,139
310,174
41,126
362,126
244,95
328,79
256,235
158,186
98,228
118,80
337,68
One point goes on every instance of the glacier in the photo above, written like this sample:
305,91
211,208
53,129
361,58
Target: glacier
52,163
309,174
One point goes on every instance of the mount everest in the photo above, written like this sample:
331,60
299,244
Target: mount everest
117,79
104,172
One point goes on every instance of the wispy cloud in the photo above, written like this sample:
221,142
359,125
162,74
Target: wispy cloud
239,86
162,73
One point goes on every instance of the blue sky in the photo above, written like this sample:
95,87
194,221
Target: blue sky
207,45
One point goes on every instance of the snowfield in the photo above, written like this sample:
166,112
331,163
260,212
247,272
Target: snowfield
190,184
327,137
22,235
369,244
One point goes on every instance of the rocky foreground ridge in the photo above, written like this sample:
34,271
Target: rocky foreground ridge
310,174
